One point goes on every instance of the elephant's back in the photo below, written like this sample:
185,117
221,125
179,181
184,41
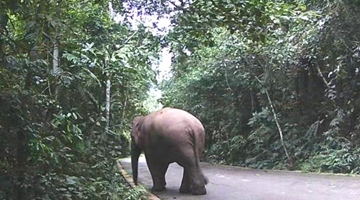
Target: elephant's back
178,125
176,118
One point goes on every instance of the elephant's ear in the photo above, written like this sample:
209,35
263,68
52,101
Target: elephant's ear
137,123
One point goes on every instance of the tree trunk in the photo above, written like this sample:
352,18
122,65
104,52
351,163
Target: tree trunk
56,59
107,105
289,158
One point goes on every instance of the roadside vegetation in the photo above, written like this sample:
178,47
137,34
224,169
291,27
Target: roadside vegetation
275,83
60,129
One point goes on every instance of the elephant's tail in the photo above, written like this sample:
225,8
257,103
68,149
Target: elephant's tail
194,145
196,155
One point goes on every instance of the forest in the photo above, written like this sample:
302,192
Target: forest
276,85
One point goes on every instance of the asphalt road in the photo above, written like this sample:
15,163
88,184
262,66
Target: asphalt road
234,183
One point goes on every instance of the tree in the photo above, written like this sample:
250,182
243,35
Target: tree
256,68
53,82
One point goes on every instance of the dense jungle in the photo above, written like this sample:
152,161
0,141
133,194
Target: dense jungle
276,85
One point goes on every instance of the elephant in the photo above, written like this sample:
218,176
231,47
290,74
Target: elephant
167,136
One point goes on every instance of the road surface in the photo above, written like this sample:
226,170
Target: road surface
234,183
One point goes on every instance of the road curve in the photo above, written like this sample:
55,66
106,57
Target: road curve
234,183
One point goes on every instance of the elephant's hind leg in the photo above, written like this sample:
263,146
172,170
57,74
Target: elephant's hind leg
185,183
197,181
194,180
157,171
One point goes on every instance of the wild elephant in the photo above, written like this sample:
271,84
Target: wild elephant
167,136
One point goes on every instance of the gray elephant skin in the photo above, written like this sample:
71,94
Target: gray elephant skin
167,136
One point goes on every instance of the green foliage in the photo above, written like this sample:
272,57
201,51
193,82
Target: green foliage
233,60
52,139
338,154
247,69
